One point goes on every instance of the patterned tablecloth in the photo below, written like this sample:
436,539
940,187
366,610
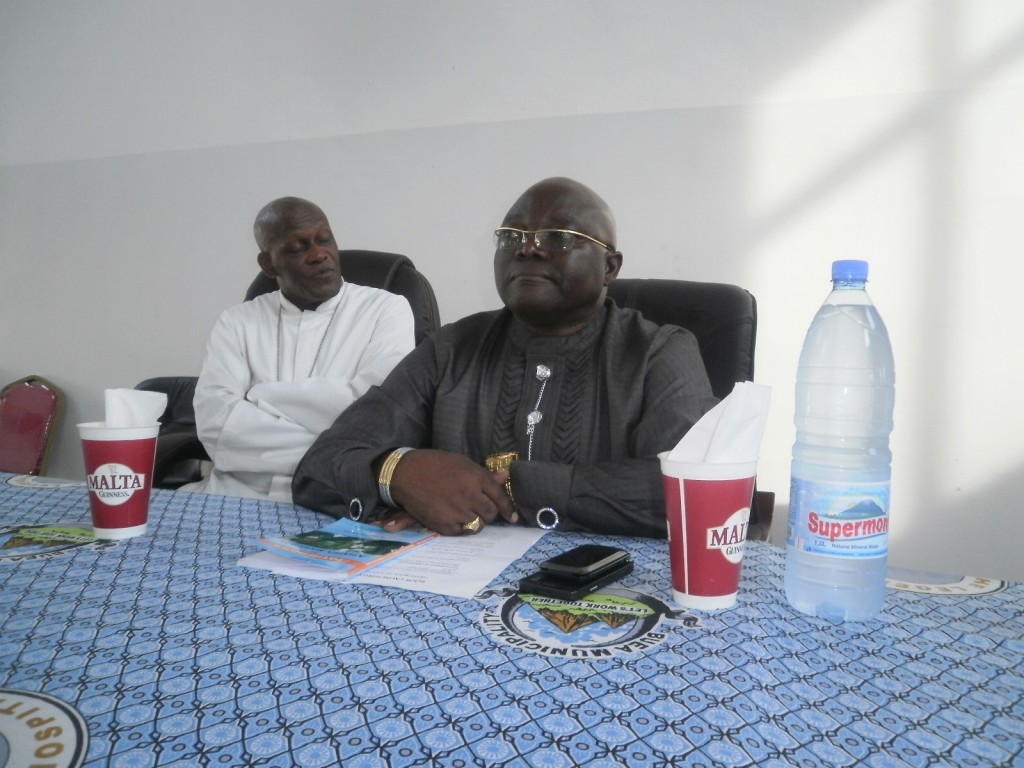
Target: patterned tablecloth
160,651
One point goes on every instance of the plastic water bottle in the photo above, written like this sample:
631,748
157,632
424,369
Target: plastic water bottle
838,535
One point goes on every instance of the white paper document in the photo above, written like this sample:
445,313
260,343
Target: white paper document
459,566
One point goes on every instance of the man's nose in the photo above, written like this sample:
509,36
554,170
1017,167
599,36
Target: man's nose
318,253
529,247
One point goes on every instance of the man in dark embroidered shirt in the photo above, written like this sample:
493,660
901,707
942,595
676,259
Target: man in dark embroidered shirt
574,395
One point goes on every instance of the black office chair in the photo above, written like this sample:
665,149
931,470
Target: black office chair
390,271
179,453
724,319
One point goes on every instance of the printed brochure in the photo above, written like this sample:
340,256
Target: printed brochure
347,546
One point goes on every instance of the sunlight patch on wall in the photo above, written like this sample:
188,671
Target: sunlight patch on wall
922,183
881,51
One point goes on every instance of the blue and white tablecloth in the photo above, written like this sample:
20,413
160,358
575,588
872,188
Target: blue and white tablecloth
160,651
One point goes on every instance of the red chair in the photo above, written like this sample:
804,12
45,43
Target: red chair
30,410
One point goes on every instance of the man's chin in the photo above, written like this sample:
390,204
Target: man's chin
537,318
552,319
328,289
314,296
538,298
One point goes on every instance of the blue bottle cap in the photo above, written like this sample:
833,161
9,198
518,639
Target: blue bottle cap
850,269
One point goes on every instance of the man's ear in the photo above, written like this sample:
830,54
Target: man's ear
612,265
266,264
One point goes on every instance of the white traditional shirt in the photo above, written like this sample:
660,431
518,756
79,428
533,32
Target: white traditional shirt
276,376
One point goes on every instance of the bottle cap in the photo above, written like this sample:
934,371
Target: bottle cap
850,269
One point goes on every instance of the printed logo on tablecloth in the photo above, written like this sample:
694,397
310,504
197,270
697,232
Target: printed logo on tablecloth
25,542
926,583
609,622
34,481
40,730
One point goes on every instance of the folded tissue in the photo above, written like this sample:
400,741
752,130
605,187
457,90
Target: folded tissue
133,407
730,432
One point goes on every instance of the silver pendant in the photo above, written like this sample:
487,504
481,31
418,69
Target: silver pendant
532,420
533,417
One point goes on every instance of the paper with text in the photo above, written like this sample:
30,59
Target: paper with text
459,566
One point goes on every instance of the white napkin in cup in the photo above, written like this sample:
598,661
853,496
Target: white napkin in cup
133,407
730,432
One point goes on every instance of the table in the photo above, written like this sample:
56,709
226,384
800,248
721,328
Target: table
160,651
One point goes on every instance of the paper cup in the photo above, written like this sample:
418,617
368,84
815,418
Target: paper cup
707,507
119,475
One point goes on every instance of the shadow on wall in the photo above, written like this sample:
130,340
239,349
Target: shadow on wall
971,532
989,513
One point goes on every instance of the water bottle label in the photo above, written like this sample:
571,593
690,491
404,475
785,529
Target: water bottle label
839,519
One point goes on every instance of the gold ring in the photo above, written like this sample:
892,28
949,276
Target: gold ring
474,525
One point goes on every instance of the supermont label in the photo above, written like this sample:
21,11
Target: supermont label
847,529
838,519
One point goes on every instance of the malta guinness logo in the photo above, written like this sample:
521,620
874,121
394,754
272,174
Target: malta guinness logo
730,538
610,622
115,483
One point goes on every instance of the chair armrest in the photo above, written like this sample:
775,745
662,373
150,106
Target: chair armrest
761,512
171,451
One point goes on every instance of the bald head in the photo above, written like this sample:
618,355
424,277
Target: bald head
563,203
298,250
556,287
278,216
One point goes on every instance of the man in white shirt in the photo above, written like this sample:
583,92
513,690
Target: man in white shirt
280,369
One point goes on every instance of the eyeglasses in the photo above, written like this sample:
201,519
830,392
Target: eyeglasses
551,240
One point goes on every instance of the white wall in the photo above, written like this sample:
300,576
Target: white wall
745,142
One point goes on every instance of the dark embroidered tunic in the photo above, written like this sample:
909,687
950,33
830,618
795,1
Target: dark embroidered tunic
620,390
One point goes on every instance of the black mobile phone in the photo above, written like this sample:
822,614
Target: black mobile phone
584,562
547,584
